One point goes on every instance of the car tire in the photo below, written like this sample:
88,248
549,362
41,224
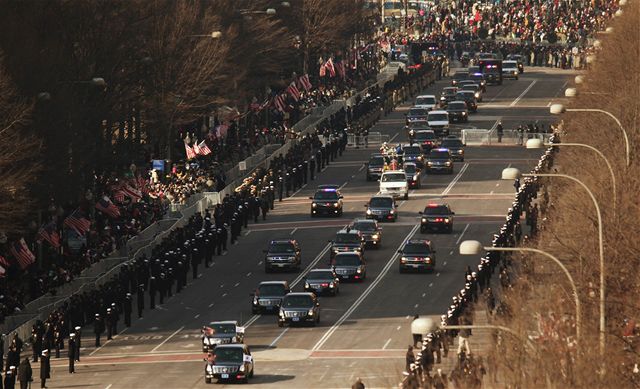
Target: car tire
207,380
406,196
340,212
251,374
280,324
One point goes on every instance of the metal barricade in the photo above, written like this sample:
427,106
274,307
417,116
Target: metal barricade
476,136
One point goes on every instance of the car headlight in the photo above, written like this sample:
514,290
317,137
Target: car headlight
255,301
430,163
403,259
464,114
291,258
460,151
205,341
446,220
368,212
477,95
313,205
331,285
427,260
424,219
241,367
281,313
419,158
415,177
375,236
336,205
392,212
359,271
310,312
447,163
306,284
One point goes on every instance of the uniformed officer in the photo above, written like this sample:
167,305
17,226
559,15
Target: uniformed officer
45,368
208,250
195,261
10,378
127,310
78,332
280,186
287,183
305,171
98,328
116,317
312,167
109,323
162,286
72,353
140,298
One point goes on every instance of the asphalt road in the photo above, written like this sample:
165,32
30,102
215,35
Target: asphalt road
364,331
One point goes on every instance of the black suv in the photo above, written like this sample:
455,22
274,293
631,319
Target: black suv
455,146
413,154
321,281
427,139
468,97
282,254
230,362
382,207
299,308
414,175
326,201
375,167
221,332
417,116
440,160
437,217
458,111
457,77
268,296
370,230
347,240
350,266
417,254
448,94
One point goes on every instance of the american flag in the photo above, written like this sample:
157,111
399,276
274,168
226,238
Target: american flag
21,252
293,90
204,149
78,222
4,263
49,233
304,81
119,195
131,192
280,102
196,149
208,331
330,68
105,206
190,152
142,184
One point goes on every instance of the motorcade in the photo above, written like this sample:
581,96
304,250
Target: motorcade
448,94
427,102
375,166
326,201
268,296
417,254
417,115
476,89
231,362
438,217
282,254
350,266
382,208
439,160
370,230
469,98
322,281
347,240
221,332
458,111
299,308
455,146
427,139
414,175
413,153
394,183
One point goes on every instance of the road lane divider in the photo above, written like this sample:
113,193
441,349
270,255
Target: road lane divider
364,294
455,180
167,339
514,102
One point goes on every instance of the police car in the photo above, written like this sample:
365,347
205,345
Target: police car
221,332
437,217
327,200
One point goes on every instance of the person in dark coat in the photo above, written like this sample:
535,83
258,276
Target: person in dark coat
98,328
72,353
25,373
10,378
45,369
78,341
127,310
13,358
409,359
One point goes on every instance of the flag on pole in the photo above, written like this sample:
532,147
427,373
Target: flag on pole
49,233
280,102
22,254
105,206
304,81
131,192
119,195
204,149
293,90
190,152
4,263
196,149
330,68
78,222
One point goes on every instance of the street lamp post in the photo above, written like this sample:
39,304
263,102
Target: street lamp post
538,144
473,247
557,109
512,174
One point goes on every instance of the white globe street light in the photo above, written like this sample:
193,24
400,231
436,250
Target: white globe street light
579,79
570,92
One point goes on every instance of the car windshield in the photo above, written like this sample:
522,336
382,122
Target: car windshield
417,112
476,77
347,238
271,290
298,301
438,117
223,328
326,195
436,210
393,177
283,247
416,248
412,150
426,101
385,202
347,260
449,92
376,161
228,354
456,105
465,95
320,275
449,143
439,154
364,226
509,66
425,135
410,169
471,87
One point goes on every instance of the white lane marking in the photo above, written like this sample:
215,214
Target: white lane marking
498,184
279,337
298,279
236,285
431,284
386,343
221,285
463,231
444,263
167,339
364,294
437,274
393,137
455,180
211,305
247,233
514,102
196,316
259,263
353,176
303,186
249,274
451,252
361,167
491,192
416,306
424,294
401,203
343,185
224,294
398,328
105,343
109,386
293,231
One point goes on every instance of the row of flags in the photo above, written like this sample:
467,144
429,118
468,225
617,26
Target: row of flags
197,149
22,254
294,90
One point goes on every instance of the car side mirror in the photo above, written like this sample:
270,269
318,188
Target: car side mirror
310,197
337,279
453,213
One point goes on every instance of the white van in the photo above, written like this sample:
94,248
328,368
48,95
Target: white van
438,121
394,183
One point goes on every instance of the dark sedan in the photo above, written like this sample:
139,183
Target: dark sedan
458,111
469,98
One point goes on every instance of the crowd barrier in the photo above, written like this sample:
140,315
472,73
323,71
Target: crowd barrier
475,136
